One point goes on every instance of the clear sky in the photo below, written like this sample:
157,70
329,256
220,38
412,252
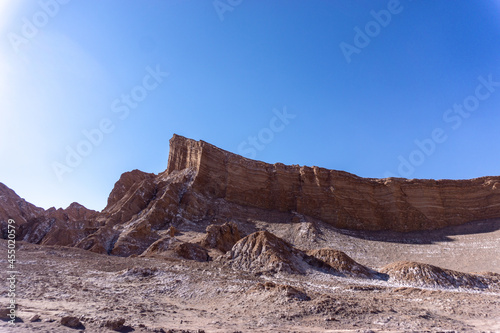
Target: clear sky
90,89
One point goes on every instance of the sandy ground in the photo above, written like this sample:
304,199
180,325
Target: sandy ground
162,295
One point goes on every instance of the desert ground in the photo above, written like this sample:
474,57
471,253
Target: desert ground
103,293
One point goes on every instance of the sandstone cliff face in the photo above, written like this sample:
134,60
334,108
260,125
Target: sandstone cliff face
339,198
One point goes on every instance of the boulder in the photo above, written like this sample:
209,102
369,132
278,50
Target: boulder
221,237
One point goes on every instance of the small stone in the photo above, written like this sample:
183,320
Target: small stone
71,321
35,318
172,231
4,313
116,324
8,314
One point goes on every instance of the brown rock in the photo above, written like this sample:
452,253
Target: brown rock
221,237
36,225
172,231
263,251
135,239
34,318
130,223
4,313
424,275
192,252
70,321
340,263
12,206
129,183
115,324
172,247
161,246
102,241
281,289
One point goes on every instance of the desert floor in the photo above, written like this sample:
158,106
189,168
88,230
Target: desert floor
167,294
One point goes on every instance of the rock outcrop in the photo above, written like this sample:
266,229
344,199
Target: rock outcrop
264,252
221,237
172,247
417,274
47,227
14,207
279,290
336,197
340,263
72,322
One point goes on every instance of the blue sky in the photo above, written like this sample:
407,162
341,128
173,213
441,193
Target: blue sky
376,88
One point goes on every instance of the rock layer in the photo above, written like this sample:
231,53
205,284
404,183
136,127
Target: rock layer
336,197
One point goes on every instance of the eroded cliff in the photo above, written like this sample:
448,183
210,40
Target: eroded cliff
339,198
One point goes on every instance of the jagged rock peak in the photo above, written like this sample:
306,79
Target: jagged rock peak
128,181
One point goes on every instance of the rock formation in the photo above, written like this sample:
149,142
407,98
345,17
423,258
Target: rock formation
339,198
48,227
264,252
72,322
172,247
285,290
425,275
203,183
221,237
340,263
